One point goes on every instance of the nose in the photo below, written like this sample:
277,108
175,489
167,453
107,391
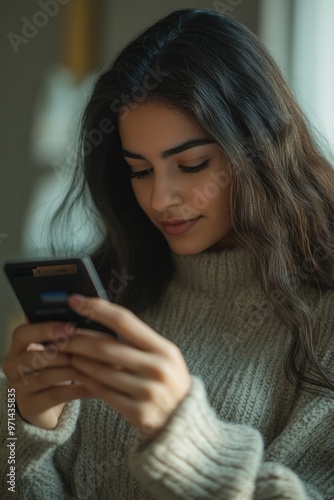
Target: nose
165,193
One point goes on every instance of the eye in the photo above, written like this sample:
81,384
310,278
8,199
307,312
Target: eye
185,170
140,175
193,170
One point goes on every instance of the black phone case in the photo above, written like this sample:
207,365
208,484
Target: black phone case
43,286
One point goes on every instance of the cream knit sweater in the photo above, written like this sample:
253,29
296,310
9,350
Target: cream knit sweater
242,431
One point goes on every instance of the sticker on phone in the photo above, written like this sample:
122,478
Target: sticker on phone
54,297
42,271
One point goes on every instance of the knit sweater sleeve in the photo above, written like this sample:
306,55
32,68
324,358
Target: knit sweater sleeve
199,456
32,452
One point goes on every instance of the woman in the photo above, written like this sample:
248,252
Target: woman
218,257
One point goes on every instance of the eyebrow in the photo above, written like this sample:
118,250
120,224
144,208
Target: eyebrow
192,143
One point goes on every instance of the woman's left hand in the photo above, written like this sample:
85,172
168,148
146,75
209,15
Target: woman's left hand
144,378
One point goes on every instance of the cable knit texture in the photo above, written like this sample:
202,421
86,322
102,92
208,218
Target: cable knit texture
242,432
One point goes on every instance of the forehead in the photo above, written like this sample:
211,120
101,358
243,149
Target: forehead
157,125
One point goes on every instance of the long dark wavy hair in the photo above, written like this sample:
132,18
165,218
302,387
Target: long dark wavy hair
214,69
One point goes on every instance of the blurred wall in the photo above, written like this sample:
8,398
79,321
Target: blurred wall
21,74
24,66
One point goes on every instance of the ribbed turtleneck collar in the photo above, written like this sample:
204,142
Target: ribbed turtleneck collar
215,271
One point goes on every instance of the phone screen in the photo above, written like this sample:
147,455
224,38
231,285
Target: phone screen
43,287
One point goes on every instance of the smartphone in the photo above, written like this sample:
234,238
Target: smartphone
43,286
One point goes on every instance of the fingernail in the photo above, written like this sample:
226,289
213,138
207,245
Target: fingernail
77,300
68,328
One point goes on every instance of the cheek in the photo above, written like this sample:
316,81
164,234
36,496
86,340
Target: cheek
208,194
219,204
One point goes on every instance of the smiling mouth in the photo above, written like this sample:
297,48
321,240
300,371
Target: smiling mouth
175,228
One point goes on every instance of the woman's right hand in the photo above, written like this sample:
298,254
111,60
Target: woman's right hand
42,376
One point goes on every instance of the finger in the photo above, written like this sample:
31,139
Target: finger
120,381
17,367
53,396
39,381
36,333
125,405
121,320
116,399
112,352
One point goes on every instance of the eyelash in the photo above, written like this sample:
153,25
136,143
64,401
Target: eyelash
185,170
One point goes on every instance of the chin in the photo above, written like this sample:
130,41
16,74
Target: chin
188,249
195,247
184,252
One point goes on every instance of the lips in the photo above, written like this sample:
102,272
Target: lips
178,226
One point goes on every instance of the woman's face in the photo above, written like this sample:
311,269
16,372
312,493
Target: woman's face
178,174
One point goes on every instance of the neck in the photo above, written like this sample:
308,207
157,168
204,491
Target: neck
215,272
